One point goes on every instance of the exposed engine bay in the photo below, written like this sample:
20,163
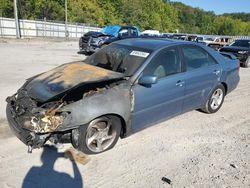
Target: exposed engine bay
37,118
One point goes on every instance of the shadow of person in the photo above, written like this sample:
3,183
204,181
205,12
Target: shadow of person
46,177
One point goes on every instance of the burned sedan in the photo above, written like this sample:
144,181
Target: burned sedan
121,89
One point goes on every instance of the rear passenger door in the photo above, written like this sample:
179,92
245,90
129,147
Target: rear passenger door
202,75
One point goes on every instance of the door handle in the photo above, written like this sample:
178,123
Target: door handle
179,83
216,72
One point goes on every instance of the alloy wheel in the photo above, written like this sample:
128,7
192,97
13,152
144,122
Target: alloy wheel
100,134
216,99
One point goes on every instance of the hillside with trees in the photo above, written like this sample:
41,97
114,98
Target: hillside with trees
242,16
163,15
195,20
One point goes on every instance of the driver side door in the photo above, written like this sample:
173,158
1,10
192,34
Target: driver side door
162,100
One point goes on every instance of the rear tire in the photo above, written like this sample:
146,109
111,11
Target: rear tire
215,100
100,135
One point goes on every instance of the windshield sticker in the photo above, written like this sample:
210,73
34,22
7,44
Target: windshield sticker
139,54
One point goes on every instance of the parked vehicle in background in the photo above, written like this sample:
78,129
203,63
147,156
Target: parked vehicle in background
219,42
204,40
177,36
119,90
151,32
192,38
166,35
241,49
92,41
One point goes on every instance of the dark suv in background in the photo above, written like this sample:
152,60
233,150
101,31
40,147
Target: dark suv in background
92,41
241,49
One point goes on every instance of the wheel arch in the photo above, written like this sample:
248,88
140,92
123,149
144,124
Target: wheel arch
78,137
205,108
123,122
225,87
114,101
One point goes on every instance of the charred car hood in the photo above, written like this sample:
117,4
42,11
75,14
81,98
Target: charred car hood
66,77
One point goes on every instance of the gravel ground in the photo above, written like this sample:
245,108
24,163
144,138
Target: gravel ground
191,150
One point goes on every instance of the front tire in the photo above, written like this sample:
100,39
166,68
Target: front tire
246,64
99,135
215,100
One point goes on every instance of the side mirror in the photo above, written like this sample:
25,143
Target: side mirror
148,80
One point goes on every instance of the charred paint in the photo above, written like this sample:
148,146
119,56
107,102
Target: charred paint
70,74
45,120
65,77
45,124
100,92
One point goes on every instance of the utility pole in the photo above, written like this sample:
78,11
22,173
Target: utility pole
16,20
66,20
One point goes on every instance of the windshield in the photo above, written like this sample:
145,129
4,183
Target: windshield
241,43
209,39
111,30
119,58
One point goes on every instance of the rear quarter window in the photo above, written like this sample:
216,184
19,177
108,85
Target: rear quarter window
195,58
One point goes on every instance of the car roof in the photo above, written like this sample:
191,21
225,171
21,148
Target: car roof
121,26
149,43
244,39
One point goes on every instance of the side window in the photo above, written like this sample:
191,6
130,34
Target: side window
165,63
195,58
123,32
133,32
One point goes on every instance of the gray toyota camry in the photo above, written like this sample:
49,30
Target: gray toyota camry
121,89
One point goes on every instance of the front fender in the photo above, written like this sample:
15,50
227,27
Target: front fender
115,100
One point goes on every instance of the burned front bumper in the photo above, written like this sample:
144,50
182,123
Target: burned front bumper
26,136
33,125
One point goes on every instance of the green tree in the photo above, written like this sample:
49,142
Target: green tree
162,15
49,9
6,8
85,12
110,14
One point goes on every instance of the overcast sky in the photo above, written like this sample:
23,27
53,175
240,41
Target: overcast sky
220,6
